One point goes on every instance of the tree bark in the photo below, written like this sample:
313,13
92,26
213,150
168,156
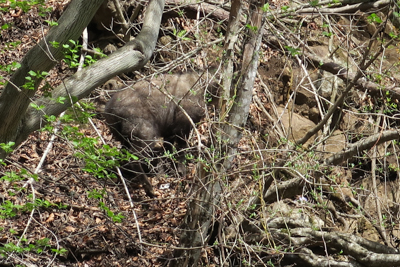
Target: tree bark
14,100
18,119
201,210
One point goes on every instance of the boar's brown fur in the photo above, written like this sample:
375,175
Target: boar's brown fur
143,116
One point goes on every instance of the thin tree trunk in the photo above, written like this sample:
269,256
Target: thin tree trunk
201,210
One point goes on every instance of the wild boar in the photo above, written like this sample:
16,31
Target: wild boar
148,113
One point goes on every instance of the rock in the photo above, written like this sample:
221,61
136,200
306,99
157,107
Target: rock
356,126
294,215
334,144
295,125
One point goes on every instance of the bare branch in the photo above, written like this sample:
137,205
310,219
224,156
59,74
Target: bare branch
363,144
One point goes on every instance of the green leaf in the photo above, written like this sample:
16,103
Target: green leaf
374,18
35,106
61,99
7,147
32,73
55,44
51,23
293,51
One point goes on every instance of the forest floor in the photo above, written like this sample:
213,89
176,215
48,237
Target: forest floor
93,219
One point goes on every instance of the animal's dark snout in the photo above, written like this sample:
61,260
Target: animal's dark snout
148,113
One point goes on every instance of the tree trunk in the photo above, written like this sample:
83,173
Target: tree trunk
18,119
201,210
15,99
